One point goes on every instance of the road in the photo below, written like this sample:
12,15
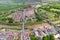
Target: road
8,26
30,26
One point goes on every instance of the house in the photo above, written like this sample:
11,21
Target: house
17,16
29,14
45,30
57,36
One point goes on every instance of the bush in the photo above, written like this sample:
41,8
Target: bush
44,38
10,20
48,37
33,37
52,37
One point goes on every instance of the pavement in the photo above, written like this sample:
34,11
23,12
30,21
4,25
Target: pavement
30,26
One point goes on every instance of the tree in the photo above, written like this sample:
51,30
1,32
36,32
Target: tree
52,37
33,37
48,37
41,15
45,38
10,20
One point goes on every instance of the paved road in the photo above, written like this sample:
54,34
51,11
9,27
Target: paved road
1,25
31,26
55,22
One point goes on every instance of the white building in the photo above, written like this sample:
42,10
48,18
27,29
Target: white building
57,36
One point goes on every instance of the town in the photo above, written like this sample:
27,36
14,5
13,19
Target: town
30,20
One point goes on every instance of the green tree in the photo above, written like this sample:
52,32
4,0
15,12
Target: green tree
10,20
45,38
48,37
41,15
33,37
52,37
